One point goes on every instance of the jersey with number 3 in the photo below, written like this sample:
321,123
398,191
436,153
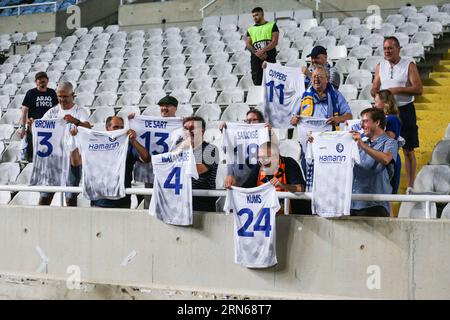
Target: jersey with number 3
334,154
254,211
158,135
172,188
51,154
283,88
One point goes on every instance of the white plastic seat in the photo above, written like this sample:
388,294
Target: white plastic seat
238,46
356,106
446,211
349,91
115,53
359,78
386,29
16,103
365,93
183,95
339,32
84,99
39,66
130,85
442,17
6,131
330,23
12,152
433,178
217,58
240,56
25,198
153,71
242,68
425,38
113,63
152,84
152,110
406,11
6,68
58,65
307,24
131,73
299,63
175,70
402,38
11,116
127,109
226,82
96,63
111,74
76,65
289,54
415,50
395,19
209,112
441,153
65,56
153,50
370,63
5,197
153,97
326,42
112,29
221,69
35,49
109,85
175,60
235,112
361,31
231,95
172,50
433,26
418,19
194,49
316,33
216,46
361,52
3,77
25,87
13,59
50,48
135,62
207,95
29,57
347,65
153,60
416,210
201,82
88,86
105,99
100,114
373,40
119,43
180,82
97,54
184,110
8,89
4,101
25,175
15,78
408,28
90,74
195,59
45,57
351,22
337,52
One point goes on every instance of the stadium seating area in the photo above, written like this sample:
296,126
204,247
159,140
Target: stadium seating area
208,69
42,6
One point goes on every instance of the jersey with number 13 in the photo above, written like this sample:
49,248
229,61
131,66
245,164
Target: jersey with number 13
172,188
254,211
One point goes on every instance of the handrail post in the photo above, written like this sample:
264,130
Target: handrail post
427,210
286,206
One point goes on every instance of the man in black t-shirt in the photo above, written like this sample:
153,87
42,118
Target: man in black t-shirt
36,103
262,38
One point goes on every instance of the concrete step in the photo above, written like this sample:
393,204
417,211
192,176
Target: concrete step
432,106
444,62
442,68
434,97
435,89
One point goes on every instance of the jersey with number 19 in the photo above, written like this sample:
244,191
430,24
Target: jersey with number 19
104,156
254,211
334,154
172,188
51,153
283,87
158,135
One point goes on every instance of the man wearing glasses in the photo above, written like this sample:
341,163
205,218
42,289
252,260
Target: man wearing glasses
401,77
373,174
321,100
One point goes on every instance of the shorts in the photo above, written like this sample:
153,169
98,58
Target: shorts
410,130
72,181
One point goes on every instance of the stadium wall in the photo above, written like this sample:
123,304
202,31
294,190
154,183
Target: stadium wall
346,258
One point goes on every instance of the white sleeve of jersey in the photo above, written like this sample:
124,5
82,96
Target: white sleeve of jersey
309,156
355,153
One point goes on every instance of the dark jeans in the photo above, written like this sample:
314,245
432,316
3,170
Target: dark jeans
377,211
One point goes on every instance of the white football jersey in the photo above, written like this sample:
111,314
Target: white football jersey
254,211
334,154
241,142
283,88
158,135
50,153
104,155
172,188
355,125
311,124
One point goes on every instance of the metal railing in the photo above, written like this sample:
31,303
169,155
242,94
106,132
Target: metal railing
427,199
21,6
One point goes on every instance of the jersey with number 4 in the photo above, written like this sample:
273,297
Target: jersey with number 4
254,211
51,153
334,154
104,155
283,88
158,135
172,188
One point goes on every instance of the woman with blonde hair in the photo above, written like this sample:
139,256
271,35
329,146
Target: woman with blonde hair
385,100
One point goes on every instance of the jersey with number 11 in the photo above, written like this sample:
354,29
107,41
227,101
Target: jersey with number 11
254,211
172,188
283,87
